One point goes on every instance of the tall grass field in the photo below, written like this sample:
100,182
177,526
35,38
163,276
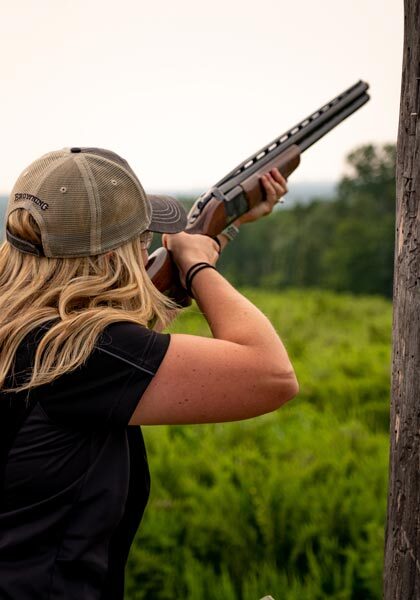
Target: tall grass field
291,503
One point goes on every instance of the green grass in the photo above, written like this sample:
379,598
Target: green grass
292,503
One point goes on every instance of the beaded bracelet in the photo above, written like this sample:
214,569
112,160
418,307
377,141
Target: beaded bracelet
192,272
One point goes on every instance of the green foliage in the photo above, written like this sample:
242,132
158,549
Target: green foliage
291,503
343,244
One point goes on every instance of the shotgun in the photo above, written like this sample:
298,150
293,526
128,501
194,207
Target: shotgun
241,189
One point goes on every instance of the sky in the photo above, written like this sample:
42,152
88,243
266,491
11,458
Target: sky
185,90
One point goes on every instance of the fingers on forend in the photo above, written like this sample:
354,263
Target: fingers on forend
275,173
280,181
268,184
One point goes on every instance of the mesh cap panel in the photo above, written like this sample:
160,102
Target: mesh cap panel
86,201
125,210
68,203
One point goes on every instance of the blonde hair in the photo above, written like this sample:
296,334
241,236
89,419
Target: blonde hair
82,296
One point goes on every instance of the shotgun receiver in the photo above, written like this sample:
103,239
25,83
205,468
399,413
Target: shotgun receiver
240,190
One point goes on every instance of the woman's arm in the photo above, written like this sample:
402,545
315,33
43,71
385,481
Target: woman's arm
241,373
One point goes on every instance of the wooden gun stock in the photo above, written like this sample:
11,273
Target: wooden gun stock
212,220
286,163
164,274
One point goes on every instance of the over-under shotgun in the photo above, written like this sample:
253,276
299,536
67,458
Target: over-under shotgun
241,189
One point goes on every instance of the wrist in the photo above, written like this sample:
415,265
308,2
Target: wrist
192,272
187,263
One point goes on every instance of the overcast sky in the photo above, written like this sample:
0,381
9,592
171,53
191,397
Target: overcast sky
185,89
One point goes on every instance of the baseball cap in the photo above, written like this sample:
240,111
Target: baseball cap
88,201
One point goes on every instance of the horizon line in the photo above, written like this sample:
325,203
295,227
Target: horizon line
193,191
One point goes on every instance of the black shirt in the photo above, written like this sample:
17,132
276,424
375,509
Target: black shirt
76,480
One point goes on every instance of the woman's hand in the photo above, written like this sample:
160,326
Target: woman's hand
187,250
275,186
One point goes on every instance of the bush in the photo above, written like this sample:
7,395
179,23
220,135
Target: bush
291,503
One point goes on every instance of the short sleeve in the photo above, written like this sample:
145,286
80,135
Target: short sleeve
105,391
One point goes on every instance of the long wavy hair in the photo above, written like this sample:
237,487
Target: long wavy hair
80,295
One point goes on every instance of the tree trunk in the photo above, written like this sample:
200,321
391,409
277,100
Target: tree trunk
402,543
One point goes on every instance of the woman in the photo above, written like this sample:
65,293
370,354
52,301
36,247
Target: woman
80,366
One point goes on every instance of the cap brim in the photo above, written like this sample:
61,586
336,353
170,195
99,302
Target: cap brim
168,215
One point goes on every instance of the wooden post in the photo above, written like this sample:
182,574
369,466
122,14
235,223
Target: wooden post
402,543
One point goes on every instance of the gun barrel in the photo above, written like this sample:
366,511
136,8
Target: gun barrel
321,131
304,134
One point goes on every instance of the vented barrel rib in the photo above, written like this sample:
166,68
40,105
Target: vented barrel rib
304,134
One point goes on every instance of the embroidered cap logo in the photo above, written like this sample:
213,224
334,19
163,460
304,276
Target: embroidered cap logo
34,199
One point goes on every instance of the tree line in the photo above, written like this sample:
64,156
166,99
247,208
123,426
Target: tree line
343,244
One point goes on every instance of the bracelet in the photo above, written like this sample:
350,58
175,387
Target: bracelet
192,272
192,269
197,270
218,242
